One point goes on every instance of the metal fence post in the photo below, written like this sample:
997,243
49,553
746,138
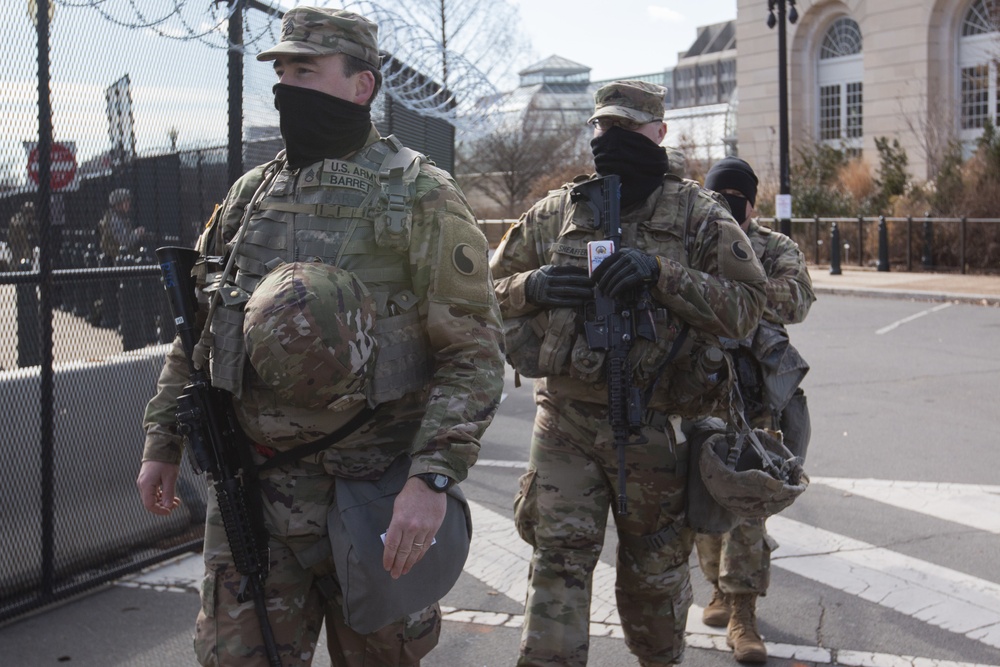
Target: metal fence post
961,244
816,240
883,245
909,243
834,250
861,240
927,259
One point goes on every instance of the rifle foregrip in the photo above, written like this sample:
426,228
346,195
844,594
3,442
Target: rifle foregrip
249,555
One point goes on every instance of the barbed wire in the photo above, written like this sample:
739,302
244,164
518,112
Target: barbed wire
411,68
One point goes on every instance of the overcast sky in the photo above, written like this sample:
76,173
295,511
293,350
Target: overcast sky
619,37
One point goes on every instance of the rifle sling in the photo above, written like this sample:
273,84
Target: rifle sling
316,446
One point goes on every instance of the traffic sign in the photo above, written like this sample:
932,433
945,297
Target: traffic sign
63,166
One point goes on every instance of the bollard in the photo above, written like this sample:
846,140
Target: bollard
834,250
883,244
927,259
29,337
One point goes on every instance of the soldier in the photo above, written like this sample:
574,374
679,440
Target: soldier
737,563
116,226
22,235
682,249
358,224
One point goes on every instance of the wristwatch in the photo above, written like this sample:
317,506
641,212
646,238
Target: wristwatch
436,481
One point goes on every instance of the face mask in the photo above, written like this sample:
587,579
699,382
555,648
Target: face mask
316,126
738,206
633,156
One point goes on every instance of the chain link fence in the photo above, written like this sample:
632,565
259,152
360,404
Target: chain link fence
119,132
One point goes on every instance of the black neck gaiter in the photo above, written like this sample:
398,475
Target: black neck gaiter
316,126
633,156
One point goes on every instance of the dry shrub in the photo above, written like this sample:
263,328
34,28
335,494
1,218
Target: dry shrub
856,180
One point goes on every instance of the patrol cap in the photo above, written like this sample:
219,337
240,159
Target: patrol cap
322,31
638,101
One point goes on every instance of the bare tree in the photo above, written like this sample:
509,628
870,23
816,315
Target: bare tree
487,34
508,165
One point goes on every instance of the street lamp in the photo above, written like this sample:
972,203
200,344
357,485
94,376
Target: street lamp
783,202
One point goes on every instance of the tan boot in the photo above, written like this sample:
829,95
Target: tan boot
717,612
742,635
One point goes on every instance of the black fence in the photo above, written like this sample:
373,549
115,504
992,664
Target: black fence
944,245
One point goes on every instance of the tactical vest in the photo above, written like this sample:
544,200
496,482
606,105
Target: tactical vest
682,372
355,214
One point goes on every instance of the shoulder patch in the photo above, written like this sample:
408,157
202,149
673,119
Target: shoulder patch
737,260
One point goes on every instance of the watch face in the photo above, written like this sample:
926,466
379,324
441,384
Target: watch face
440,481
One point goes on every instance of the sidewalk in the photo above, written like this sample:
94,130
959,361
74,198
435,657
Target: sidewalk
856,281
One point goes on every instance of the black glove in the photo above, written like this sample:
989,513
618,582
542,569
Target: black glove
625,269
559,286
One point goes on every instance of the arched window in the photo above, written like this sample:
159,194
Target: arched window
979,47
839,74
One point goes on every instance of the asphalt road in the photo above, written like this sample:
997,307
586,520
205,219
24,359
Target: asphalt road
889,559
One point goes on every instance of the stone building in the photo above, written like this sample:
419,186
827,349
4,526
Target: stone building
920,71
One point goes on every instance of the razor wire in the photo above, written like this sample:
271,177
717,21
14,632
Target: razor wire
411,54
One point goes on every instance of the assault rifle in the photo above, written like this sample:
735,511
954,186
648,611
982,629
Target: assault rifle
205,416
613,326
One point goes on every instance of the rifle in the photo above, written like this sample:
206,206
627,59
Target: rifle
613,327
206,418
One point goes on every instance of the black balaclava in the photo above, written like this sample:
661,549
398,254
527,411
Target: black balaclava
732,173
633,156
316,126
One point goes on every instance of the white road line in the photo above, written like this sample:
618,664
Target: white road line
897,323
950,600
973,505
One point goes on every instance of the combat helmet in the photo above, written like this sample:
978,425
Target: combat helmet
309,334
751,474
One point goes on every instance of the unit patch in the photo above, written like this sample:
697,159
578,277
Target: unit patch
465,259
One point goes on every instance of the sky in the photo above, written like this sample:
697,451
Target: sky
618,38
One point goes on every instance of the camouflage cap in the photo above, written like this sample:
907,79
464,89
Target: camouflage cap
320,31
749,491
309,333
638,101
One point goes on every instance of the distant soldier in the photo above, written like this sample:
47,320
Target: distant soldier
116,225
22,235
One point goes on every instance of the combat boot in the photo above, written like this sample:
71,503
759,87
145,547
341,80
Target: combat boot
716,614
742,635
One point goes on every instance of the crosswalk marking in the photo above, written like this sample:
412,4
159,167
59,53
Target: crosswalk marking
973,505
937,595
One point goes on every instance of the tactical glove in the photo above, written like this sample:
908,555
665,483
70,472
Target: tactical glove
625,269
559,286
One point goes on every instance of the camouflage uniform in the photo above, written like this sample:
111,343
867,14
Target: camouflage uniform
564,498
433,406
22,235
115,228
740,561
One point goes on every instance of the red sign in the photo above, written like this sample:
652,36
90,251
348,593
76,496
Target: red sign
63,166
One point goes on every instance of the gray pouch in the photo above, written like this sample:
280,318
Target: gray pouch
359,516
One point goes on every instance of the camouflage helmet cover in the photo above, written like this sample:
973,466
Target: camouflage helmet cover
308,330
748,490
638,101
322,31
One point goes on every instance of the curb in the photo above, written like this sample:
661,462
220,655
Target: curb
973,299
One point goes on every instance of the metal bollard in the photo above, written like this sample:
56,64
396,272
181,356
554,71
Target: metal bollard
883,244
834,250
29,335
129,303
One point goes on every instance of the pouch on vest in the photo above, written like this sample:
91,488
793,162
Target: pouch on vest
539,345
360,514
